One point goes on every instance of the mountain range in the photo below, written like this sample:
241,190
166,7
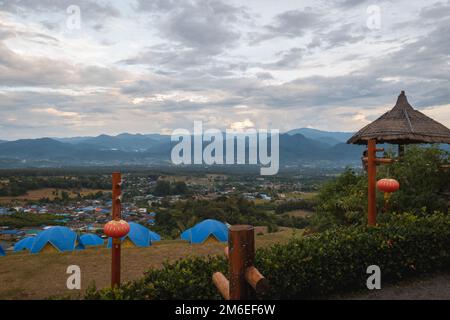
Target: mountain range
300,146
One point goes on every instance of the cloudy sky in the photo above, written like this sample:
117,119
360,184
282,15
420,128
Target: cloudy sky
77,68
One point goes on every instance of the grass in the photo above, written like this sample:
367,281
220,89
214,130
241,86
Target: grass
299,213
301,195
26,276
51,193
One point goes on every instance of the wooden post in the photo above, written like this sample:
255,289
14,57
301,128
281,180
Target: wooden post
241,256
116,215
401,151
245,280
372,176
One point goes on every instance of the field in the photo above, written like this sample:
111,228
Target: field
26,276
301,195
299,213
34,195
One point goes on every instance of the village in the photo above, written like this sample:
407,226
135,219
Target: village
143,196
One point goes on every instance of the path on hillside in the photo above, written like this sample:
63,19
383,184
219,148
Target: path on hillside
436,287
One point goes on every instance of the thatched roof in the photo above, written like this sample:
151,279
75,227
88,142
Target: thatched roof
403,125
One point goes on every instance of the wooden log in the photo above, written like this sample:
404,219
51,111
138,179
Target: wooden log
256,280
222,284
377,150
384,160
241,256
380,160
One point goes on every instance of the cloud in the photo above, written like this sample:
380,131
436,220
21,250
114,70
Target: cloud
170,62
440,10
205,26
21,70
242,125
289,24
55,112
90,9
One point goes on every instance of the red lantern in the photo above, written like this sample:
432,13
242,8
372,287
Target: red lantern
388,185
116,228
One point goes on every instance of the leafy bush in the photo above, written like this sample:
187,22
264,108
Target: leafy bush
20,220
302,204
166,188
343,201
311,267
422,180
184,279
171,221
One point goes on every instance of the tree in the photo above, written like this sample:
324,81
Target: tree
162,188
180,188
343,201
422,180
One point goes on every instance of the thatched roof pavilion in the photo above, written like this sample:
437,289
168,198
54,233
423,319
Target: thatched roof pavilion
403,125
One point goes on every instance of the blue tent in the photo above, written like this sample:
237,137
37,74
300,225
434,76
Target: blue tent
24,244
139,235
203,230
59,238
2,252
154,236
90,239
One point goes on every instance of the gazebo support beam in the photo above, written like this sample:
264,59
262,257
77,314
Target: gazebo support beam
401,150
372,176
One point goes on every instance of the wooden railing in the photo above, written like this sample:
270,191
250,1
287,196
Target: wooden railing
246,282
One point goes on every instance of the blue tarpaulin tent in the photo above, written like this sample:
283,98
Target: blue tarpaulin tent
138,236
90,239
204,230
24,244
2,252
154,236
56,239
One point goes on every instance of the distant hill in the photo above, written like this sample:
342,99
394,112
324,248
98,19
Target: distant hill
327,137
312,148
27,148
151,149
124,142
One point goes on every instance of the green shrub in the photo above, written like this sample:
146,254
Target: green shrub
311,267
422,180
184,279
341,201
301,204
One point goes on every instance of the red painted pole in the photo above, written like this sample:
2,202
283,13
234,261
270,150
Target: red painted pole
372,176
116,215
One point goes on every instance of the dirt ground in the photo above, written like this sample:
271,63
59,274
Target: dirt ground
26,276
